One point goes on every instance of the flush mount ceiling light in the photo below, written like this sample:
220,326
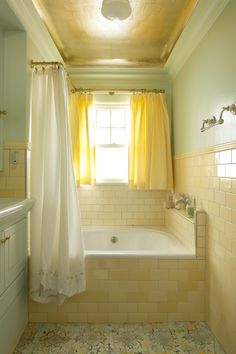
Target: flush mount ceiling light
116,9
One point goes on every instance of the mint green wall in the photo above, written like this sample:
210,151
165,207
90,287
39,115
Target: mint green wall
15,85
205,84
1,97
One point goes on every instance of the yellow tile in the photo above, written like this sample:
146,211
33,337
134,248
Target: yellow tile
128,307
147,263
97,274
157,317
177,296
3,182
147,307
197,316
57,317
118,274
225,213
187,285
92,296
139,274
196,275
166,307
233,216
15,183
107,307
87,307
67,307
226,184
167,285
37,307
137,317
118,296
37,317
97,317
77,317
117,317
178,274
230,229
159,274
177,316
17,170
157,296
138,296
231,200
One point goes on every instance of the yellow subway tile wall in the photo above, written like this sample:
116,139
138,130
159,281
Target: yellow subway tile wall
190,231
211,178
13,175
133,290
118,205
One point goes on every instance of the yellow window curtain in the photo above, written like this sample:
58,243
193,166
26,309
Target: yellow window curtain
82,145
150,161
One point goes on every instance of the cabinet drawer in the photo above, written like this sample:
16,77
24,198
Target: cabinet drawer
15,250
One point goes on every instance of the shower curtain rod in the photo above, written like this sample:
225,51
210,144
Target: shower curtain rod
112,91
33,64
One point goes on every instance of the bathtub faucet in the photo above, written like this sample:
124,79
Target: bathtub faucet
184,199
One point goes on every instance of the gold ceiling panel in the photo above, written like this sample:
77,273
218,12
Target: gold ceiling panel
85,38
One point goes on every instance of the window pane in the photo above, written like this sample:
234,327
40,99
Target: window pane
118,118
103,118
118,136
111,164
102,136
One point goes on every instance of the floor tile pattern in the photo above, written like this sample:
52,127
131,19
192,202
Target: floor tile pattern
156,338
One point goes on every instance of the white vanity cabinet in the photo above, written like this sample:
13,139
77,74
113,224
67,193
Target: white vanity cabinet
13,271
13,282
13,252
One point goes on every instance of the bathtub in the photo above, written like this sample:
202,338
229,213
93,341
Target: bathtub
133,242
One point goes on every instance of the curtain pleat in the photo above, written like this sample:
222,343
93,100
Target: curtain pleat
82,141
150,161
57,267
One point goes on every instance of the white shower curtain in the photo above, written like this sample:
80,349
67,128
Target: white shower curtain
56,250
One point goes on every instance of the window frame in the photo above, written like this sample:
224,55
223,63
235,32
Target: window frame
112,106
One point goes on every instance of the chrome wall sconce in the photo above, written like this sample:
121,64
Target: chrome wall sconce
211,122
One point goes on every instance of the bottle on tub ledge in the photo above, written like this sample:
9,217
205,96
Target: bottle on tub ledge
170,200
190,207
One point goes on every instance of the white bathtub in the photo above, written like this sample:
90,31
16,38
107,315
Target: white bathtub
133,242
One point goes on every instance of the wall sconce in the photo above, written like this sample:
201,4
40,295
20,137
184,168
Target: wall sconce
211,122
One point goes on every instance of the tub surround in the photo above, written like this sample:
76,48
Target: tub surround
135,289
189,231
117,205
208,175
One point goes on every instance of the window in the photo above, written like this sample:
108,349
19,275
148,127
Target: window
111,124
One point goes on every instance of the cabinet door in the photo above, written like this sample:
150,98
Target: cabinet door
15,250
2,248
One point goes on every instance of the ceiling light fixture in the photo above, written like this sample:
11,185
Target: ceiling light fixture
116,9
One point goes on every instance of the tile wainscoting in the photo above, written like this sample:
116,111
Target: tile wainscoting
118,205
210,176
13,175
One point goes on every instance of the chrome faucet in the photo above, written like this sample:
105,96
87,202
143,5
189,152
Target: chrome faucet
184,199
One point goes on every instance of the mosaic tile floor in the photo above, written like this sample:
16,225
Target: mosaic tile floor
158,338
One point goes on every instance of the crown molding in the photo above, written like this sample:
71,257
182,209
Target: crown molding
202,19
121,77
35,29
